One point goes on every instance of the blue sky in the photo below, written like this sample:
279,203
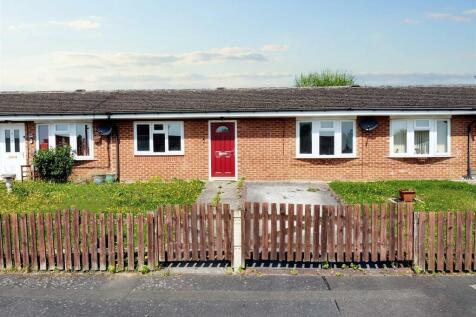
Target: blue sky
64,45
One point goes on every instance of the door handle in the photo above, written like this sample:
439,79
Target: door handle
219,154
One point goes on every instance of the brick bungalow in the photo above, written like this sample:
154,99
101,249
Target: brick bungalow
347,133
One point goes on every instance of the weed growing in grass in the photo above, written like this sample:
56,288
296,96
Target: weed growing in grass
432,194
116,197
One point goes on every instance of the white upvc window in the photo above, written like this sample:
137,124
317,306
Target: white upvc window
420,137
77,135
326,138
159,138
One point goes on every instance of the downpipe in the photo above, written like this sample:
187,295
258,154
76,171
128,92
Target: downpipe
469,171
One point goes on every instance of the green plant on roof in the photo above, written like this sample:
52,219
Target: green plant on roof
325,78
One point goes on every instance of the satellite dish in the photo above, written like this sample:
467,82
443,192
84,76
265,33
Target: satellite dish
368,124
105,129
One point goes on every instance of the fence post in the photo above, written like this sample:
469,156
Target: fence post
238,259
416,221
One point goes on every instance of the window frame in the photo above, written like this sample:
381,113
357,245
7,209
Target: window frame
151,137
72,135
411,128
315,130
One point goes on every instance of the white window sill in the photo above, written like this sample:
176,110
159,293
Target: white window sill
412,156
326,156
159,154
84,158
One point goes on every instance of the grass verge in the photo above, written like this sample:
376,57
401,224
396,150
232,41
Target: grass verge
433,195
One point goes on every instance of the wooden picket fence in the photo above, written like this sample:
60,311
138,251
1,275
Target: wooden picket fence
305,233
74,240
446,241
81,240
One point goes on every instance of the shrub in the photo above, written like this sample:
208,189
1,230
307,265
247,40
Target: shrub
54,165
325,78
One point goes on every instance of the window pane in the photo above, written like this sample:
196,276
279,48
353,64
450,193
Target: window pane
143,137
327,124
16,138
422,142
347,137
326,142
422,123
82,137
62,128
158,127
8,148
222,129
62,140
43,136
399,137
442,136
159,142
175,136
305,137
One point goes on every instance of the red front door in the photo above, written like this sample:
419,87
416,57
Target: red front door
222,148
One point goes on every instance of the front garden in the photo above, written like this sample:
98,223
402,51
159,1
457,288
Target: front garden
432,195
115,197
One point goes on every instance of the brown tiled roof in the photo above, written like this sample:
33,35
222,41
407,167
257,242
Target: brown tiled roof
239,100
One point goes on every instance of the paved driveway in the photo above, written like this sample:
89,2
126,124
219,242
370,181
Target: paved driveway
284,192
221,295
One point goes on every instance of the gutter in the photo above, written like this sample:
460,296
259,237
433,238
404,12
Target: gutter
251,114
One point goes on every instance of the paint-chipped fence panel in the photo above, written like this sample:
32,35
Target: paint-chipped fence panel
305,233
446,241
87,241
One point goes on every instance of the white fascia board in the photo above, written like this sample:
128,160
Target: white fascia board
283,114
39,118
223,115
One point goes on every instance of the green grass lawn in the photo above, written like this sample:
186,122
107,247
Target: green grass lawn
117,197
435,195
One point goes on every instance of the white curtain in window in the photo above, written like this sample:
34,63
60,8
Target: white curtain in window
400,137
422,142
442,136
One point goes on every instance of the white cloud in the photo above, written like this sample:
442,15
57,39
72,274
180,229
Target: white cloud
447,16
411,21
78,24
470,12
410,78
274,48
126,59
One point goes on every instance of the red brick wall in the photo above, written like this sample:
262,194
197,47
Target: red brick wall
104,154
192,165
266,151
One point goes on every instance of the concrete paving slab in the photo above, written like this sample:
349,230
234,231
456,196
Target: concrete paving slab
317,193
228,192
